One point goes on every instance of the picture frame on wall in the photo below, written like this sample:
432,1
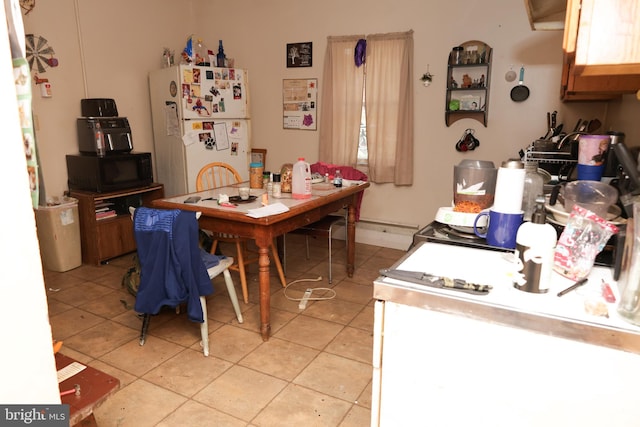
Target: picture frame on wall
259,155
299,104
299,55
470,103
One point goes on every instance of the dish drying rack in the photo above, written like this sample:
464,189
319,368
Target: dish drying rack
544,151
556,162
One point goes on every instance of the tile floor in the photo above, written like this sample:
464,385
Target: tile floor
314,371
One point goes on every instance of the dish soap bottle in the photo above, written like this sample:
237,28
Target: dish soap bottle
535,247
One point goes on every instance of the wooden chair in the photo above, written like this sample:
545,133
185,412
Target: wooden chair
218,174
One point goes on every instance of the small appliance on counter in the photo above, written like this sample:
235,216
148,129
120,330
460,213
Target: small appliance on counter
106,161
115,131
114,172
474,183
101,121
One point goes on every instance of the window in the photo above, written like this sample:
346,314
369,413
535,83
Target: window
369,121
363,154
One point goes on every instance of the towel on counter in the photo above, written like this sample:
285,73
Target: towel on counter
348,173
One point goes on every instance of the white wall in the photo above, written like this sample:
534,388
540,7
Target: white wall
122,41
28,368
257,41
105,50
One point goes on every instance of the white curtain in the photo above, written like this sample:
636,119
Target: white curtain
389,105
343,84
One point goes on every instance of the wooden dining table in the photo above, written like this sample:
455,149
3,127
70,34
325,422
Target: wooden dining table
234,219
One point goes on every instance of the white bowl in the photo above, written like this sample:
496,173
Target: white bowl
461,221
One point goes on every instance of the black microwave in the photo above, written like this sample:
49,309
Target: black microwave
112,172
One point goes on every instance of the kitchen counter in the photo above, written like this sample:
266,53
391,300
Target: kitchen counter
449,358
544,313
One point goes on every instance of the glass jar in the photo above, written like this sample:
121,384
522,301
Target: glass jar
285,177
533,187
255,175
457,55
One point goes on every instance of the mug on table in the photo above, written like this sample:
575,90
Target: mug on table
501,228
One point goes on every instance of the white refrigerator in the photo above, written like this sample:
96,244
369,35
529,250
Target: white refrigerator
200,115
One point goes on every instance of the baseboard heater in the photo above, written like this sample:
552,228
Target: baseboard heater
381,233
387,226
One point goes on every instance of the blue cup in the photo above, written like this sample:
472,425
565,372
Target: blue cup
501,229
590,172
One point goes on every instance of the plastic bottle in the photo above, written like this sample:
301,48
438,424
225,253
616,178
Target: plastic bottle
301,180
535,246
277,189
337,179
533,187
265,179
101,148
221,58
202,54
270,184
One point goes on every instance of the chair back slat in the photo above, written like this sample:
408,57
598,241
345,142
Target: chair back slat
216,174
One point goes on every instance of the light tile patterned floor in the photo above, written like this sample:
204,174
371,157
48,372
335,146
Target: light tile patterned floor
314,371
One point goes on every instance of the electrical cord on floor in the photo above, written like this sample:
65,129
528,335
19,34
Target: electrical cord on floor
307,295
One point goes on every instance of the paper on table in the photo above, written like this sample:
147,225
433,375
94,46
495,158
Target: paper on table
274,209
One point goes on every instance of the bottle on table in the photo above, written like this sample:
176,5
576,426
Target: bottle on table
301,180
277,189
337,179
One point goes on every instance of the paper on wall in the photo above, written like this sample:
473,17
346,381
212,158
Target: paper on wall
190,138
222,139
171,119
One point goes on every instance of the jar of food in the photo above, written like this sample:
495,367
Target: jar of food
286,174
457,54
255,175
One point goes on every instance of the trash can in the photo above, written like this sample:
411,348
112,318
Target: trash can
59,235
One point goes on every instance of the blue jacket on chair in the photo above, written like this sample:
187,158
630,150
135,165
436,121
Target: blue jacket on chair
172,270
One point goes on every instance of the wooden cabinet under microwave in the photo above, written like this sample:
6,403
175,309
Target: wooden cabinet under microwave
110,237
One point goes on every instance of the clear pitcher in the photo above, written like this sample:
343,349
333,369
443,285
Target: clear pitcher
629,281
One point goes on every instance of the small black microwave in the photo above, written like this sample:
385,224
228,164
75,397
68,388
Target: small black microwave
112,172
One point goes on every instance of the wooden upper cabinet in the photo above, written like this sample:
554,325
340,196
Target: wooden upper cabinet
601,49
